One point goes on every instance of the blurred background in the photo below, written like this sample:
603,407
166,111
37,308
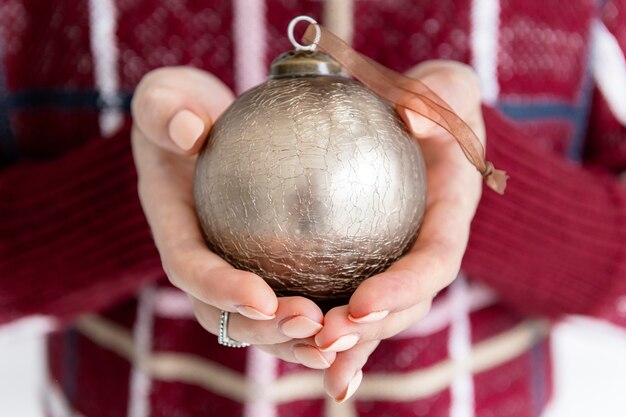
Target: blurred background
589,355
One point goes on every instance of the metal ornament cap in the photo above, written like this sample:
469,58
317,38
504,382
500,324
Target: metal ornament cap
223,338
294,64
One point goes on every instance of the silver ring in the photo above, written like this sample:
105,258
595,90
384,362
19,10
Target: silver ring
292,38
223,338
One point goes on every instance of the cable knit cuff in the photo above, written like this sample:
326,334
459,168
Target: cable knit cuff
73,237
555,243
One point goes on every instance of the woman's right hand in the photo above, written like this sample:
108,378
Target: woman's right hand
173,110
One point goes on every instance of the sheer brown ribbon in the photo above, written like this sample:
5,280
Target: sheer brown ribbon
411,94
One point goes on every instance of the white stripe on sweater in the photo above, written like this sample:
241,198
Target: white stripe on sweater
56,403
140,383
609,69
173,304
338,17
249,36
103,24
484,46
460,350
334,409
261,371
26,328
440,315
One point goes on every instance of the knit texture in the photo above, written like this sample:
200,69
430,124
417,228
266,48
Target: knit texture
555,244
75,247
63,261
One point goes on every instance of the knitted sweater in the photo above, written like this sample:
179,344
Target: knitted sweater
77,259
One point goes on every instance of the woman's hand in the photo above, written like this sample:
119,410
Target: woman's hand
390,302
173,110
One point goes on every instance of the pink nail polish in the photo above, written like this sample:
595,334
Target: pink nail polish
310,356
185,129
253,313
299,327
353,385
418,124
372,317
343,343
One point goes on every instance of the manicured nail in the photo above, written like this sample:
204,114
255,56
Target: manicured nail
185,129
418,124
343,343
310,356
253,313
300,327
353,385
369,318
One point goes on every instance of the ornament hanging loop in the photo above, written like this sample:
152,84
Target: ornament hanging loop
297,45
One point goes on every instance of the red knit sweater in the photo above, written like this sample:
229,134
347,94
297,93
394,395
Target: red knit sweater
73,239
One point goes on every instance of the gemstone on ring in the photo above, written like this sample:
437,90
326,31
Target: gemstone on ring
223,338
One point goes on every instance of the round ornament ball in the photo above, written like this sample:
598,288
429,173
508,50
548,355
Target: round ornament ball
310,180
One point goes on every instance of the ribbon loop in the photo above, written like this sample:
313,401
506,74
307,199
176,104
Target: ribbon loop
410,94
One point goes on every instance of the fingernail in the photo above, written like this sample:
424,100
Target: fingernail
310,356
418,124
420,128
343,343
185,129
300,327
353,385
253,313
369,318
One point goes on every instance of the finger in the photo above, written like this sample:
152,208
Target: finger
431,265
175,106
296,317
344,376
199,272
457,84
166,177
340,333
205,276
453,193
301,351
188,263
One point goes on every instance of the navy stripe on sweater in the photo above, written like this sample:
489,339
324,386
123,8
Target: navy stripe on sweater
7,141
63,99
72,99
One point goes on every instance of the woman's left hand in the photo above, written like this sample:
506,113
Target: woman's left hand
392,301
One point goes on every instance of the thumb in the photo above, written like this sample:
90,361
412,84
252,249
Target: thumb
174,107
455,83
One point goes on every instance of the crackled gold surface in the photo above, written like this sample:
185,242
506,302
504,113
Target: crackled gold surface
313,183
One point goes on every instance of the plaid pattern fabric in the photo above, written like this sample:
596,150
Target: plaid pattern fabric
76,255
190,374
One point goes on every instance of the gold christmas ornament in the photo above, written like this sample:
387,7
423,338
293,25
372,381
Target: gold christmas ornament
310,180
